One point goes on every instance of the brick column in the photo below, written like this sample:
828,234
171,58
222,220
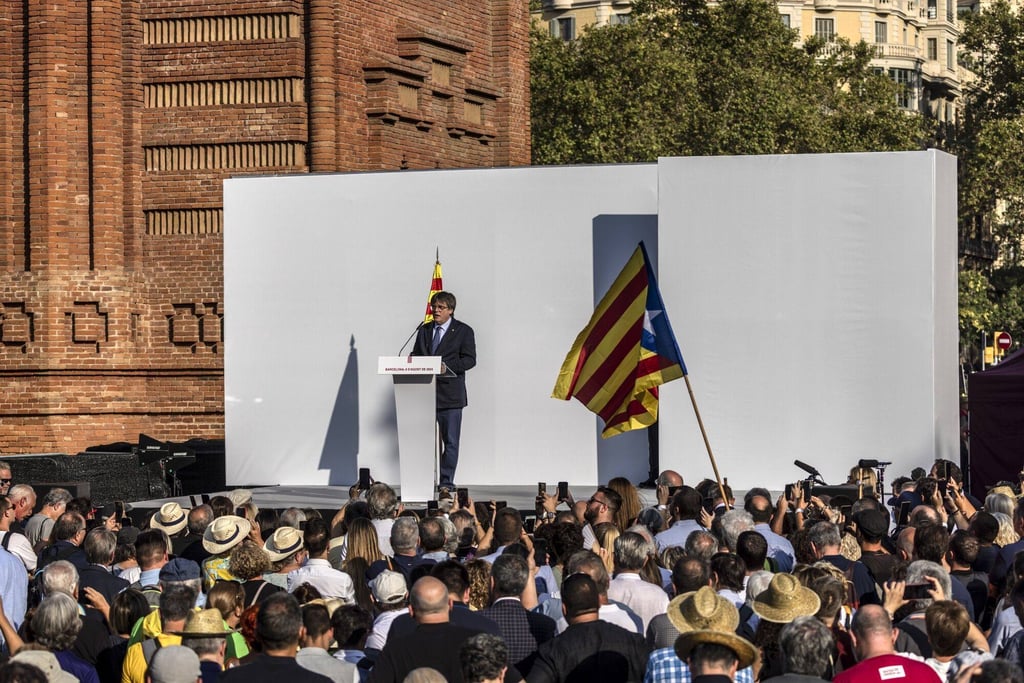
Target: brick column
510,44
321,78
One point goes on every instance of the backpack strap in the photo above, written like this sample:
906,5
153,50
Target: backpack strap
149,648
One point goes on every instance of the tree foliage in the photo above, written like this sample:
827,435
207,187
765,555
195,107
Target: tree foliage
989,303
688,78
989,138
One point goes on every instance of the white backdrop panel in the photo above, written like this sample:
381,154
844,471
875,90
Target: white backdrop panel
313,262
814,300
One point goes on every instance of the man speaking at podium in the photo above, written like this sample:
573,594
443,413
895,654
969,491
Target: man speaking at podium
454,342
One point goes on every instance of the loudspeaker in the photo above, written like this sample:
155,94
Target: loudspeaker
108,476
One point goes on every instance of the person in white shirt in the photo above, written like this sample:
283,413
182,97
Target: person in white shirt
317,570
391,596
14,542
382,501
632,551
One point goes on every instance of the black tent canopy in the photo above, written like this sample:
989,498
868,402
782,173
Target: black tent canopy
996,405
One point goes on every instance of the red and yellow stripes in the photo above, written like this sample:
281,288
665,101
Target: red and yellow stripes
435,287
608,369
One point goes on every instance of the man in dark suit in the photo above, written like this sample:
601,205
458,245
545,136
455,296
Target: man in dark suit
99,551
523,631
453,340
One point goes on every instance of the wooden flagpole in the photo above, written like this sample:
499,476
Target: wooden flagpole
707,444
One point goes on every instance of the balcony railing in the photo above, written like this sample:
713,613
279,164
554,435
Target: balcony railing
897,51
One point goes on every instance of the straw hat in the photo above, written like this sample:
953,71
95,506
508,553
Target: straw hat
170,519
703,610
285,541
224,533
239,497
743,649
785,599
204,623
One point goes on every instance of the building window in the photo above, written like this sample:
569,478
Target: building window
617,19
473,112
408,96
785,20
950,55
441,73
564,28
906,82
881,31
933,49
825,29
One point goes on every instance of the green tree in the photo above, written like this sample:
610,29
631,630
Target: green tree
688,78
989,137
987,304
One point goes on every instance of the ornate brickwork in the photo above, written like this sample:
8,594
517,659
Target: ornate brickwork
120,120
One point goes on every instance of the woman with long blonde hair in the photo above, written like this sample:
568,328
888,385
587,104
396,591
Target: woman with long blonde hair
362,541
627,513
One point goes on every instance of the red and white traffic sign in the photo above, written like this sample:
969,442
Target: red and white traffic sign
1003,340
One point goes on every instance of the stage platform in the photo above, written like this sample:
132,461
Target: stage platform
332,497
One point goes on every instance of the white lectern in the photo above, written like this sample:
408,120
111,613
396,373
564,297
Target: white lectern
417,419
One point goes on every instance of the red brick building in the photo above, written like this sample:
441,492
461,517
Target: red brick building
118,121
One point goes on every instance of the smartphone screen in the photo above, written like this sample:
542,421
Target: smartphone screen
789,491
498,504
540,551
240,512
904,515
463,496
431,507
916,591
364,478
542,488
563,490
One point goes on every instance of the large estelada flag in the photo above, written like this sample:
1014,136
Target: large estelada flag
435,287
625,352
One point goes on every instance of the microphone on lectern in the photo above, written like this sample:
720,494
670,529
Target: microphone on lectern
415,330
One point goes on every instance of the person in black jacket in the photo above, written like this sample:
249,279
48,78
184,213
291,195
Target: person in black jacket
454,342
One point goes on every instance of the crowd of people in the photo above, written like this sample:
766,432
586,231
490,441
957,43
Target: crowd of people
920,583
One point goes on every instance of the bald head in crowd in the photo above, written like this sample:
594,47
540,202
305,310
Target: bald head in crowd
428,601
